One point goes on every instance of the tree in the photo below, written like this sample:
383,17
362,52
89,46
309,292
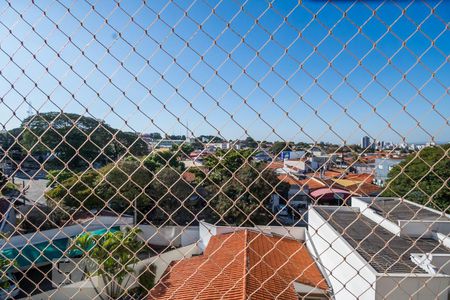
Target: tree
78,140
160,159
224,163
8,141
423,177
238,191
182,150
113,254
6,266
3,181
250,142
278,147
171,195
244,198
78,191
57,176
124,185
155,136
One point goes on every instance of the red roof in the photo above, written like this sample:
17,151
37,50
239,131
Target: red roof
368,178
275,165
327,190
289,179
364,189
188,176
313,183
241,265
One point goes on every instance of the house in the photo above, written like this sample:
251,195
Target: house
308,164
298,191
382,168
262,156
383,248
245,264
363,168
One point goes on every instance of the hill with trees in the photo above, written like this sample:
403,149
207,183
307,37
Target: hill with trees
72,139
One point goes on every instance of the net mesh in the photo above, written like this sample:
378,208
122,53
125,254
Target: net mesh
224,149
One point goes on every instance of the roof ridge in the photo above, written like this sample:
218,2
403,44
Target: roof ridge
244,296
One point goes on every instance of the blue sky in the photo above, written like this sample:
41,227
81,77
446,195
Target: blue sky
300,72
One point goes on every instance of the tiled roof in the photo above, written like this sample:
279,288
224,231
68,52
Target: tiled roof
368,178
188,176
313,183
289,179
364,189
241,265
275,165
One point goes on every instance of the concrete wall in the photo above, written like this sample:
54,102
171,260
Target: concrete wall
169,235
85,289
350,276
412,286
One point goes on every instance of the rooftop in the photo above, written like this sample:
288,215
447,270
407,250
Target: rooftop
241,265
395,209
385,252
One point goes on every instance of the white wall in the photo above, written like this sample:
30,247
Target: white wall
411,286
208,230
350,276
295,164
175,236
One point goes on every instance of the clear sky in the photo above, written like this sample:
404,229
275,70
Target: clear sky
273,70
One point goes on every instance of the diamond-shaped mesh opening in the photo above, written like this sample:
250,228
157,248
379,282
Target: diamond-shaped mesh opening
224,150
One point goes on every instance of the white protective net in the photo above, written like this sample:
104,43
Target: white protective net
214,149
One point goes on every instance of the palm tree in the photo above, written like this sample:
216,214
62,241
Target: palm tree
113,255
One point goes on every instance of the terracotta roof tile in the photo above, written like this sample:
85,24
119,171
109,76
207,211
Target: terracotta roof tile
313,183
275,165
368,178
241,265
289,179
188,176
365,189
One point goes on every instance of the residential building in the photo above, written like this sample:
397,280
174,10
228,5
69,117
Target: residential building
382,168
292,154
311,164
298,194
383,248
363,168
263,156
246,264
365,142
